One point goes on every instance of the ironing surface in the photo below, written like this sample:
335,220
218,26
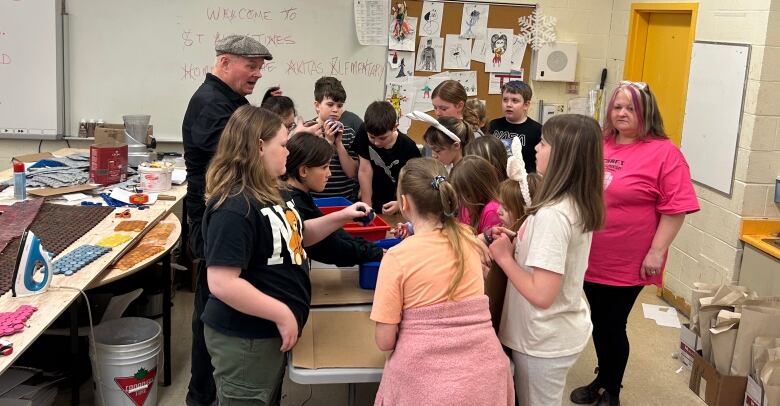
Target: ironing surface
73,261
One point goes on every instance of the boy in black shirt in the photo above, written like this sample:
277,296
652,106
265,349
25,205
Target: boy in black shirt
382,151
516,98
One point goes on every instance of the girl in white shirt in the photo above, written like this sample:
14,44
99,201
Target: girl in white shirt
545,320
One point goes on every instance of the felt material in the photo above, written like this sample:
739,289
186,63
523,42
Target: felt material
16,218
447,353
59,226
73,261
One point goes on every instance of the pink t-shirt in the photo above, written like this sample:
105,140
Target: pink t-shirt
642,181
487,219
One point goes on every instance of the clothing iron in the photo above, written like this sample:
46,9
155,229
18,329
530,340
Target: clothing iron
32,258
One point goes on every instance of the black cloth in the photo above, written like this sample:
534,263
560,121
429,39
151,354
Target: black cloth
266,242
351,119
201,390
207,114
609,309
386,163
339,248
529,132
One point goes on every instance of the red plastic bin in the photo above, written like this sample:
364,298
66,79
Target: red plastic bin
375,230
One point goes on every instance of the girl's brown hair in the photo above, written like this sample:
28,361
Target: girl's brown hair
423,180
649,121
453,92
237,167
511,198
476,182
436,138
575,167
306,151
493,150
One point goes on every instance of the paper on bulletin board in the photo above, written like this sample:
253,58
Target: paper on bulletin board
399,64
432,13
498,79
468,79
479,50
429,54
473,23
423,87
497,57
517,52
371,21
579,105
407,44
400,93
457,52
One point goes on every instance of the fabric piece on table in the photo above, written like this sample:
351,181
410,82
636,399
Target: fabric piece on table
59,226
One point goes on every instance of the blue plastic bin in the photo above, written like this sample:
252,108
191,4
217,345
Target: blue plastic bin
332,201
368,272
387,243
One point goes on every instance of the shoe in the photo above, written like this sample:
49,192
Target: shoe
608,399
585,395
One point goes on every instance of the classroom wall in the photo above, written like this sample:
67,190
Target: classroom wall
708,247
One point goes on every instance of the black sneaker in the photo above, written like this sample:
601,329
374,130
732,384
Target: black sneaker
608,399
586,395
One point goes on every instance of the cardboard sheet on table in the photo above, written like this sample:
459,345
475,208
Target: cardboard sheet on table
46,192
338,287
338,339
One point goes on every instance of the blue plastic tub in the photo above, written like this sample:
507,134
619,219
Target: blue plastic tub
367,274
332,201
387,243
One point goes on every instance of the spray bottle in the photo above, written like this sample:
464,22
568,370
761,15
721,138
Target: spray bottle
20,181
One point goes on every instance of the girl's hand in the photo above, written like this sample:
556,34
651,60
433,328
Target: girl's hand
288,329
497,231
401,230
484,258
312,127
357,210
652,264
501,248
390,207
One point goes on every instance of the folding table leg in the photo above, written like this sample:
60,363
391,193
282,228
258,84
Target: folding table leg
74,351
166,286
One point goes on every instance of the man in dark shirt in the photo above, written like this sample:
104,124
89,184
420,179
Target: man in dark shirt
236,72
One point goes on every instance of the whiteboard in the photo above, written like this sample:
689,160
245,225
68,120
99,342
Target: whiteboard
31,66
713,111
149,56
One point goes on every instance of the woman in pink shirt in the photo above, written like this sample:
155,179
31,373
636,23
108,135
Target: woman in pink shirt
648,192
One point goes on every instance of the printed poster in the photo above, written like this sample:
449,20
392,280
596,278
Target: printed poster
457,52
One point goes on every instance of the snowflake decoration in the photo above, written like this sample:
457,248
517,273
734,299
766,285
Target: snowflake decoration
537,30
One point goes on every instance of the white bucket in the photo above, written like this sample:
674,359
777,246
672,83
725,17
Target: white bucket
155,176
124,362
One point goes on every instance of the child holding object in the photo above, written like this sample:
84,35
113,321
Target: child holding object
430,307
545,320
254,250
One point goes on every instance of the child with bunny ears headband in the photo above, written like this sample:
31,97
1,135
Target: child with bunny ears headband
516,192
446,137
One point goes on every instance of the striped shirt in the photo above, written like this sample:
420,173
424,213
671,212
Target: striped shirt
339,184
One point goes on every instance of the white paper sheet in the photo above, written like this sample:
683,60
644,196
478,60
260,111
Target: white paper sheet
430,22
429,54
479,50
457,52
423,86
400,93
517,52
665,316
498,57
371,18
407,44
474,19
468,79
75,197
399,64
498,79
178,176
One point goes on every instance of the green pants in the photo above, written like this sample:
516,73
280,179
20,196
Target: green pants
246,371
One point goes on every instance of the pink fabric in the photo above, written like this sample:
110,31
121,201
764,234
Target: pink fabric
642,181
487,219
447,354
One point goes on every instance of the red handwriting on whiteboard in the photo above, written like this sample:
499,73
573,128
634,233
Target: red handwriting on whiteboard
289,14
265,39
5,59
304,67
237,14
340,67
198,72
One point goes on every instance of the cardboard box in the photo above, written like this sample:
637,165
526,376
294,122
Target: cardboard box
338,338
107,163
716,389
114,133
754,394
690,344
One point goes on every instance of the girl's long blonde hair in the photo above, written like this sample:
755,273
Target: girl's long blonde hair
476,182
575,168
437,199
237,167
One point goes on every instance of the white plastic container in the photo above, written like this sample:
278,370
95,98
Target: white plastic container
125,362
155,176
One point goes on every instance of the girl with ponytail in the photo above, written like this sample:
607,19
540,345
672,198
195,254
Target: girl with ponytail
430,306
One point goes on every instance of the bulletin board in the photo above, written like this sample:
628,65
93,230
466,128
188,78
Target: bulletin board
500,16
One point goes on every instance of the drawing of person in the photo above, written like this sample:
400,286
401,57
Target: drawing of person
498,43
401,25
426,91
457,55
431,22
470,23
428,57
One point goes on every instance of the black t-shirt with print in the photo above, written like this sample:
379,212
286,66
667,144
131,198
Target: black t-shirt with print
386,163
529,132
266,242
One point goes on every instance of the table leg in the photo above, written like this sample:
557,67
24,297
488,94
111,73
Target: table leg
351,393
166,286
74,351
